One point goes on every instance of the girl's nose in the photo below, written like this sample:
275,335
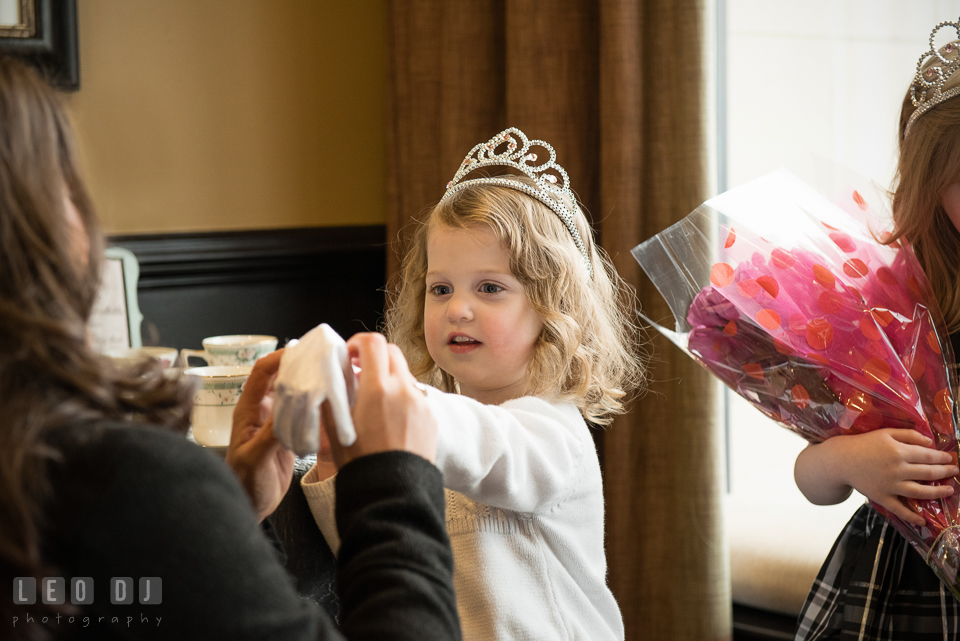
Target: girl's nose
459,309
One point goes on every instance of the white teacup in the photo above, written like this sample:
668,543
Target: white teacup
238,349
166,355
214,401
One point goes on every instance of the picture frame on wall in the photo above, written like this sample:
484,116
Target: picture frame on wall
44,34
114,325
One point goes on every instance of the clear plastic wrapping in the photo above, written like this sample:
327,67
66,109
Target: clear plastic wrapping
789,298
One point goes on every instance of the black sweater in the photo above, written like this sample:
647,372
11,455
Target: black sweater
131,501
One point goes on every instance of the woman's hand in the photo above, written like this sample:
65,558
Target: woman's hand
263,466
883,465
391,412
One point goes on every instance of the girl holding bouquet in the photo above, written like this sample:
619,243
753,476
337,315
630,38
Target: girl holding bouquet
873,585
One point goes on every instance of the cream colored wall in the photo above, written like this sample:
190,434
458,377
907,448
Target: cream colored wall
232,114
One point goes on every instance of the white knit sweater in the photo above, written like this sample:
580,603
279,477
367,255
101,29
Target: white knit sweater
525,518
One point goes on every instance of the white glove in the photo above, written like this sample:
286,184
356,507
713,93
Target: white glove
315,369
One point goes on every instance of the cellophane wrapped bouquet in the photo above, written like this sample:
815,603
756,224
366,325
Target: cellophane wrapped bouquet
787,296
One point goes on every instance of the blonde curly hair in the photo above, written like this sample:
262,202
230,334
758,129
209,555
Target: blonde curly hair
588,351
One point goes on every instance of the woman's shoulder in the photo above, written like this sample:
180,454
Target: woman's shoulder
107,478
111,452
99,438
140,501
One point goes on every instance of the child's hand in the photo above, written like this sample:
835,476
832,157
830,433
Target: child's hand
883,465
886,464
326,467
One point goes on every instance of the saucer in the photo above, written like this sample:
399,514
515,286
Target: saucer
219,450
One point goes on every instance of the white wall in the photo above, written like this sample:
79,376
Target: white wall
822,75
826,76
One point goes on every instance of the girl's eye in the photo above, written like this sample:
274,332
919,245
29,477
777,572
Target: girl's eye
490,288
439,290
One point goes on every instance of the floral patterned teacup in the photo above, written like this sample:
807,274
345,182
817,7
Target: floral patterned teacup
238,349
213,402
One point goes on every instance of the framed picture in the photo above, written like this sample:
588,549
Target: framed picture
115,321
44,34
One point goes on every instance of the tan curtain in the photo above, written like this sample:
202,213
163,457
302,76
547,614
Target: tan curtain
618,87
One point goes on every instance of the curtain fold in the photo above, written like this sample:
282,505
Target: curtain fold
445,94
618,88
552,83
664,478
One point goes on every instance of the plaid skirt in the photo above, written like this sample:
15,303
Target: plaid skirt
874,585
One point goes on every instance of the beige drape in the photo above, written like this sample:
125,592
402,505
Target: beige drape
618,88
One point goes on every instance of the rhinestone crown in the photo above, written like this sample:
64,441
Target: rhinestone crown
552,184
935,70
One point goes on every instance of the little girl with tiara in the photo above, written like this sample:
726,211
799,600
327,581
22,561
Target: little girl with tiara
523,330
874,585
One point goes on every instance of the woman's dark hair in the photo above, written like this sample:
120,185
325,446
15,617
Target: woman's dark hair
50,256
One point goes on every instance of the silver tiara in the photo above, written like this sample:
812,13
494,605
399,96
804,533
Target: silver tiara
927,89
553,185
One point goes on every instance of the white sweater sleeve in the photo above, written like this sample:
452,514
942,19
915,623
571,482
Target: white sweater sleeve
322,499
524,455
